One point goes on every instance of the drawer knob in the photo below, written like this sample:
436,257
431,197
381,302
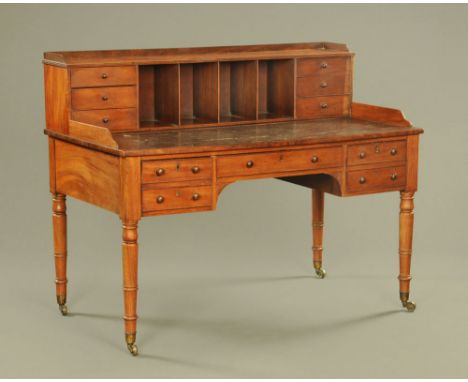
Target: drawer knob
323,84
362,155
104,76
195,169
105,120
160,199
393,176
362,180
160,171
104,98
324,65
249,164
393,151
323,105
195,196
314,159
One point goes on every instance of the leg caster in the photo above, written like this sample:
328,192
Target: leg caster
131,346
409,305
321,273
61,301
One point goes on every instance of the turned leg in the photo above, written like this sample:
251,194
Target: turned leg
59,221
406,241
130,282
317,231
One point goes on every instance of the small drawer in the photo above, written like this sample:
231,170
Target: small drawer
384,179
103,76
320,66
375,152
103,98
280,161
176,198
321,107
322,85
114,119
176,170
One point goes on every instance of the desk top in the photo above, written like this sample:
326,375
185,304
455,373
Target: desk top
227,138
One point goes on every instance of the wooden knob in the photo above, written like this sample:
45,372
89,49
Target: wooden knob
195,169
323,84
323,105
104,98
104,76
393,176
105,120
362,155
249,164
195,196
160,199
314,159
324,65
160,171
362,180
393,151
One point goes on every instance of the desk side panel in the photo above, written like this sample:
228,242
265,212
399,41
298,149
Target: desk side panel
57,98
88,175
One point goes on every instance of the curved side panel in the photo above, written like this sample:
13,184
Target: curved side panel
331,183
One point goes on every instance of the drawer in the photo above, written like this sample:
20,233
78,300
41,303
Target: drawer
390,151
323,66
323,85
103,76
389,178
114,119
176,198
280,161
176,170
322,107
103,98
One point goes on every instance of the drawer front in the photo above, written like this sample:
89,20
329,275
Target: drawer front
322,107
114,119
176,198
103,98
375,152
103,76
281,161
323,66
176,170
389,178
322,85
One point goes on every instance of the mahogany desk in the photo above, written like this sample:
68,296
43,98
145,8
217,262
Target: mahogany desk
163,131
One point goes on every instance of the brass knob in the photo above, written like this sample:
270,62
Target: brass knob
104,98
323,105
249,164
393,177
195,169
104,76
323,84
160,199
362,155
160,171
323,65
195,196
362,180
393,151
314,159
105,120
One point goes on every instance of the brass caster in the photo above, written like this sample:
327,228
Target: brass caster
63,309
410,306
321,273
132,348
